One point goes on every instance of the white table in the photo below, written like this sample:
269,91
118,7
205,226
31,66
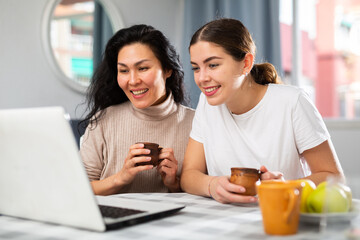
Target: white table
202,218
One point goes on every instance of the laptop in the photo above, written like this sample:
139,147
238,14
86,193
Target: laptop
43,178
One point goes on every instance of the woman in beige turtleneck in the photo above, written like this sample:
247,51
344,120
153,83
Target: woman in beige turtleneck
135,96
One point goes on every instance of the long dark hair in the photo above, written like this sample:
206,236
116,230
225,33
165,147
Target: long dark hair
104,90
235,39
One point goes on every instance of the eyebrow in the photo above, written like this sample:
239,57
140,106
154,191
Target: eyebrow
136,64
208,59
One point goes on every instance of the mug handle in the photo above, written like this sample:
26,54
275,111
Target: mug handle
293,199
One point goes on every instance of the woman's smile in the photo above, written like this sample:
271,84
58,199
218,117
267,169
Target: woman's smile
209,91
139,93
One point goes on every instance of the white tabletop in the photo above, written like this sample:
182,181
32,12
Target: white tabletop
202,218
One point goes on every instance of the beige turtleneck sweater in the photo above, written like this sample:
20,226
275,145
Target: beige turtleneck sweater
104,149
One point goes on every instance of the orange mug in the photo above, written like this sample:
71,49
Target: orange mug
280,206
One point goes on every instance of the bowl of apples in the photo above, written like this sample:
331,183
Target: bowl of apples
330,201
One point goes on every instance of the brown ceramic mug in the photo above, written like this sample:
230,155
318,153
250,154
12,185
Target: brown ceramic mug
246,177
154,154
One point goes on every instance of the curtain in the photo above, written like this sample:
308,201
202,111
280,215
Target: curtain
261,17
102,33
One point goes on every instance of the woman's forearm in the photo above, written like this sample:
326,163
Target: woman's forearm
319,177
106,186
195,182
323,163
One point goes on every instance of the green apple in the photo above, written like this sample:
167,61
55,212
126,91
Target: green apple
332,197
347,191
308,187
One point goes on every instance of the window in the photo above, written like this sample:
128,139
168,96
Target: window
71,34
74,34
329,56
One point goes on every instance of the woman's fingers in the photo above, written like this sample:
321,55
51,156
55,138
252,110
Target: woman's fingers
137,154
168,153
136,150
230,187
230,197
137,145
227,192
168,163
272,175
168,167
263,169
141,159
168,160
268,175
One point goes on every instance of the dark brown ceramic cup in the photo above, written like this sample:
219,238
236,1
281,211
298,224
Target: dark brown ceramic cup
154,154
246,177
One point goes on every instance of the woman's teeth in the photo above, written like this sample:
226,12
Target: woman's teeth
211,89
139,92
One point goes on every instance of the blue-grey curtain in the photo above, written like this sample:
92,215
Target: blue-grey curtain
102,33
261,17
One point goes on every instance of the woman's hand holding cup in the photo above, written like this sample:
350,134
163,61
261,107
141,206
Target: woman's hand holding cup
137,154
240,187
222,190
167,168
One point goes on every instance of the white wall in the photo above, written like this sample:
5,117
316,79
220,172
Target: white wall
165,15
26,77
345,136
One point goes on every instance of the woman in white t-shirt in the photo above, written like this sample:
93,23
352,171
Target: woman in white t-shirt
244,118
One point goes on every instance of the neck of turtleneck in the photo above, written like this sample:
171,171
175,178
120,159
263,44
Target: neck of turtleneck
156,113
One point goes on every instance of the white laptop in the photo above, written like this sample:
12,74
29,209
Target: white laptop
42,176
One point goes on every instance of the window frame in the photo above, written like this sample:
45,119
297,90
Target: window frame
116,22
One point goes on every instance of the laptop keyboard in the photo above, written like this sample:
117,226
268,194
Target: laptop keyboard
116,212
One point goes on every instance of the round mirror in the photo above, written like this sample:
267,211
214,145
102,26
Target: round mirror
76,34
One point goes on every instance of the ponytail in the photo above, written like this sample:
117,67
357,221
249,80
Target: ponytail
265,73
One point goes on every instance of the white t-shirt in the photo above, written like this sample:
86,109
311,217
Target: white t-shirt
274,133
